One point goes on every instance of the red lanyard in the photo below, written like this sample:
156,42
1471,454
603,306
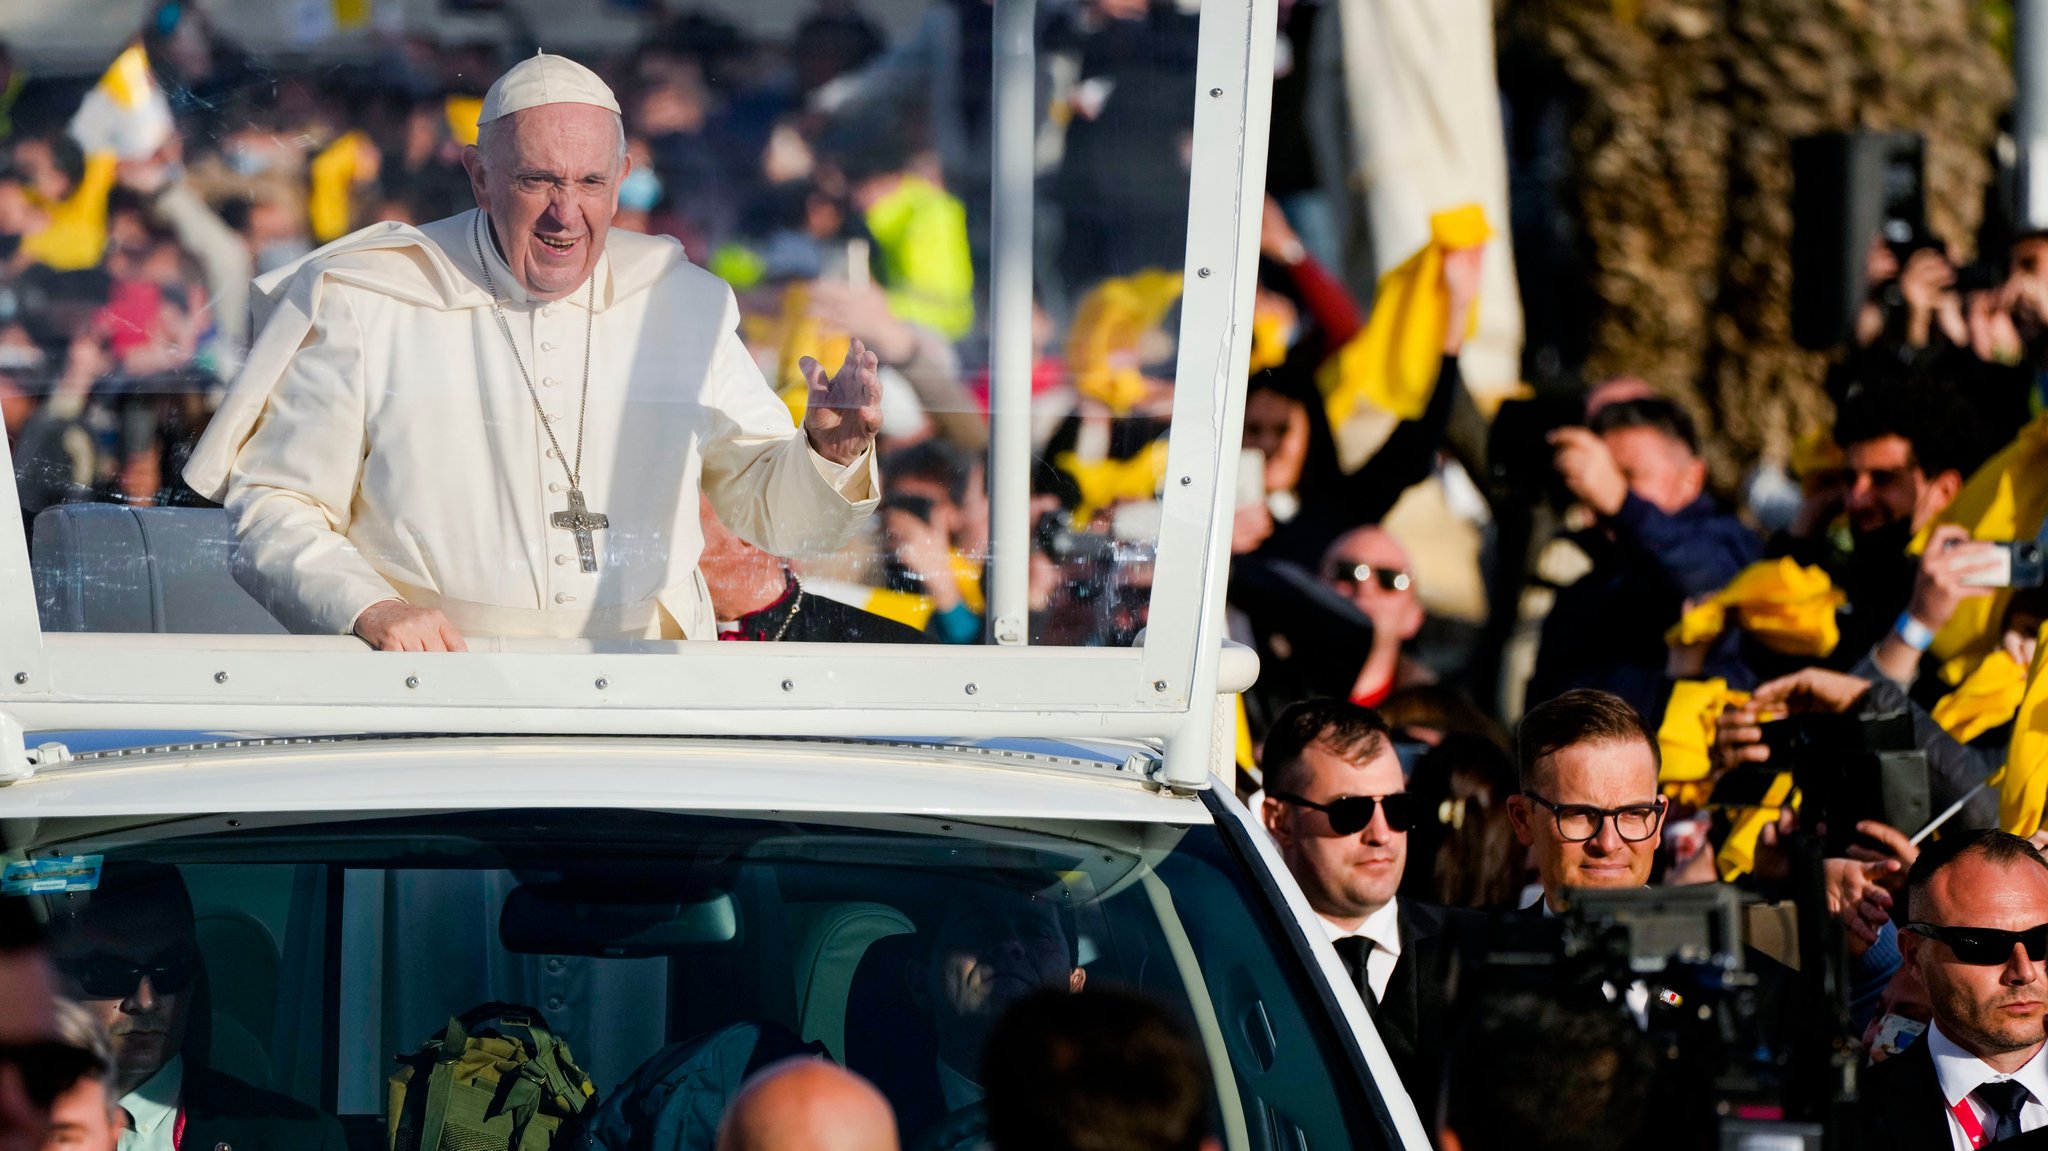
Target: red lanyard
178,1131
1966,1116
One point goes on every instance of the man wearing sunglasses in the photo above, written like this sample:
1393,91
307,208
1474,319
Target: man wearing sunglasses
36,1065
1976,933
1369,567
1337,805
128,952
1589,809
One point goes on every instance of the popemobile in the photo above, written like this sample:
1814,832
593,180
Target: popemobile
639,867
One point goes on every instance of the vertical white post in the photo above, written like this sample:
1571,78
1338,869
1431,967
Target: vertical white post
2030,110
1011,353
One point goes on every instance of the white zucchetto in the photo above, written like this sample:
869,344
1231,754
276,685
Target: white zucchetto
544,79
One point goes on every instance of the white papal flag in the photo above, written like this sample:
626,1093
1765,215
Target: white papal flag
125,113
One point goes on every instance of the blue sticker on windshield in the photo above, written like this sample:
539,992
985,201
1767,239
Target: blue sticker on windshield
51,876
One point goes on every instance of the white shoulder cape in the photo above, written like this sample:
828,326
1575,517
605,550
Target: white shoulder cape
398,260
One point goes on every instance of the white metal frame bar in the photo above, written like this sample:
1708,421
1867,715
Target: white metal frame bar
1163,689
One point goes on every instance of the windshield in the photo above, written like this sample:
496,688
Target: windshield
303,955
508,419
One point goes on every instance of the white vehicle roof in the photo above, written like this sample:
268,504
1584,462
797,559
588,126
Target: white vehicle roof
1015,780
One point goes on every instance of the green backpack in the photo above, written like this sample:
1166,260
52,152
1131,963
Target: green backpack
496,1080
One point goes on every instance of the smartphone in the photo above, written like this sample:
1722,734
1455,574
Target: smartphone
1251,477
2017,564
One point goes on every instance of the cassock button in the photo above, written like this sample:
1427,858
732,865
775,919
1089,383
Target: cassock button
548,381
561,561
564,597
554,453
547,345
555,487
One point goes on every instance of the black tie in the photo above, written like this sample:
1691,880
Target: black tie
1353,950
2004,1099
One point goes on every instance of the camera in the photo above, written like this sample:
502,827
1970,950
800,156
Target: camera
1848,768
1518,449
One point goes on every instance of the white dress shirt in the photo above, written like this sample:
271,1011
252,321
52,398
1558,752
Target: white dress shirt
153,1109
382,443
1960,1073
1383,929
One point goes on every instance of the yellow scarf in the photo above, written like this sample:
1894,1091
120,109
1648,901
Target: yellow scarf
1391,364
1988,697
2023,782
1788,608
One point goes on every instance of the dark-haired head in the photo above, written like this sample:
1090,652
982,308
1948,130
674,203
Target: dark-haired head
1582,716
1342,727
1588,1091
1103,1070
1908,443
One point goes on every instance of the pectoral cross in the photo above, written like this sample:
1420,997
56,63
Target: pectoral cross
582,521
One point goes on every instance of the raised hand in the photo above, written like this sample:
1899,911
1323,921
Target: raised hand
845,411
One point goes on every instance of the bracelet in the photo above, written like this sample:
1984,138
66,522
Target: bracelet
1912,632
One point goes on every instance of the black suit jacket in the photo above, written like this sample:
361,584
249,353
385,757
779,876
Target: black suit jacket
1415,1015
222,1111
1902,1104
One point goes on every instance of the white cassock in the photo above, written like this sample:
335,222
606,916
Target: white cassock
380,442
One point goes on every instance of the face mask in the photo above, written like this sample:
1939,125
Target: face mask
640,191
247,163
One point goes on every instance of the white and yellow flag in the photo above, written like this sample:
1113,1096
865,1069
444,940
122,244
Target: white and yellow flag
125,114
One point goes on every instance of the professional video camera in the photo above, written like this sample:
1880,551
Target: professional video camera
1740,1001
1105,579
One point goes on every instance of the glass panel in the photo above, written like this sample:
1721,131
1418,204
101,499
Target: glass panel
832,166
328,948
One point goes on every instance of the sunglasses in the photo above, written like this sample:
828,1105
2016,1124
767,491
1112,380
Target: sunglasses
1986,946
113,977
48,1068
1389,579
1351,814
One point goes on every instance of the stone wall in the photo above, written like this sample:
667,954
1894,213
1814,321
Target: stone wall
1684,113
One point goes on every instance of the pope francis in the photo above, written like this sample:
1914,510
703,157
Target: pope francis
497,424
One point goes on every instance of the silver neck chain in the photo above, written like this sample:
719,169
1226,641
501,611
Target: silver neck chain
796,604
575,471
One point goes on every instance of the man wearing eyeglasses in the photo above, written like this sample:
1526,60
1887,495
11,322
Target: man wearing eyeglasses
1976,932
128,952
1338,807
1369,567
1589,809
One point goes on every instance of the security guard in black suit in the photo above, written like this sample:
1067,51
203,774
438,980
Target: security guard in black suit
1337,806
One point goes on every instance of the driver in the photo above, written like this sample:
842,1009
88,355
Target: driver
128,952
985,956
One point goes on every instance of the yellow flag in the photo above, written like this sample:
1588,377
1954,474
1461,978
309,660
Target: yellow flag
1687,734
461,113
331,179
125,114
1391,364
1104,345
1106,482
2005,500
1988,697
1787,607
1737,856
2023,782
